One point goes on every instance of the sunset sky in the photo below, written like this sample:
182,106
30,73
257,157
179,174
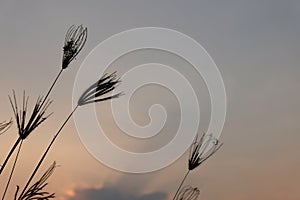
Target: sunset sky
255,45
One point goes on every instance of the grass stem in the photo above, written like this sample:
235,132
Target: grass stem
181,184
19,139
45,153
12,170
51,87
10,154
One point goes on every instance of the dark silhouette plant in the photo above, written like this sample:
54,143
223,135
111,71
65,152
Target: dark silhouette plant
75,40
36,191
26,122
188,193
97,92
200,150
4,126
26,125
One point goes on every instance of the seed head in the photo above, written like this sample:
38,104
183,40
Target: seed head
202,149
25,127
4,126
99,90
74,42
188,193
35,192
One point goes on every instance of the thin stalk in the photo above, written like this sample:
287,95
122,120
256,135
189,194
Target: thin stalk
51,87
12,170
46,152
10,154
181,184
19,139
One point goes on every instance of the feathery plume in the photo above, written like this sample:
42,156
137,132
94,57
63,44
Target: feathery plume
202,149
188,193
35,192
25,127
96,92
4,126
74,41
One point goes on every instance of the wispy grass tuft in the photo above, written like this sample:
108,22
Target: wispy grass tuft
200,151
75,40
188,193
94,93
4,126
26,124
36,191
37,117
97,91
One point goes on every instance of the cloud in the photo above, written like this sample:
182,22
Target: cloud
113,194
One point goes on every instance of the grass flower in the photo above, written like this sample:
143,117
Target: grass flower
188,193
97,91
74,41
202,149
36,191
4,126
26,126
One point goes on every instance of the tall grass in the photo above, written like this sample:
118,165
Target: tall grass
75,39
95,93
28,121
26,126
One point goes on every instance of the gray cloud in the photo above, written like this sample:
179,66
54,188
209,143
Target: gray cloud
113,194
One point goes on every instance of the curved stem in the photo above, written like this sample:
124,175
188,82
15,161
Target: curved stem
12,170
46,152
10,154
181,184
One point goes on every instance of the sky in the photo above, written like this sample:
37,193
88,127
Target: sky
255,45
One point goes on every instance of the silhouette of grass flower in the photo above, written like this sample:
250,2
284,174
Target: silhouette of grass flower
74,41
202,149
4,126
35,192
96,92
188,193
36,118
26,127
